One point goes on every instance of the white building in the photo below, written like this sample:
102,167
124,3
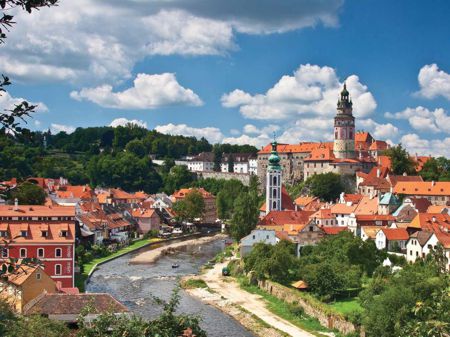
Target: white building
420,244
239,162
392,239
204,162
257,236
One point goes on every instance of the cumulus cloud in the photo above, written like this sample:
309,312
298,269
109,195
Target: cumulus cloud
124,122
148,92
423,119
311,90
57,128
378,130
435,147
212,134
433,82
97,40
257,141
7,102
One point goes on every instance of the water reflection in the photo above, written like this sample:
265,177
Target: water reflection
134,286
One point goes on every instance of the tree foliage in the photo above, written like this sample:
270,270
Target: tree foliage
437,169
326,186
401,162
28,194
191,207
245,215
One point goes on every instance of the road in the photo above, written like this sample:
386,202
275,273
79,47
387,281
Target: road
230,290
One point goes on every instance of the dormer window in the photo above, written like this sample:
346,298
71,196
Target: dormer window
3,234
44,234
24,234
63,233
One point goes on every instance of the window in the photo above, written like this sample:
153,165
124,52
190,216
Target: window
3,234
63,234
311,228
57,269
275,181
267,236
274,193
253,237
5,252
38,276
40,252
58,252
274,204
23,234
44,234
23,252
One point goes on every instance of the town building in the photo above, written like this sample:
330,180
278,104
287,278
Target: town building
237,163
257,236
420,244
46,233
147,219
437,192
392,239
210,214
202,162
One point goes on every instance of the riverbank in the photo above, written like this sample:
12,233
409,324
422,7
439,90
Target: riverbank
153,255
248,309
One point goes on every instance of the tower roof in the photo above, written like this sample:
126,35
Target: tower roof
274,158
344,105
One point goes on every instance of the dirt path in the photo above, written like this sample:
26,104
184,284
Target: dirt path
228,289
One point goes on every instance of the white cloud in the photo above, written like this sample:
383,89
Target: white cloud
433,82
311,90
235,132
269,129
423,119
308,129
91,41
148,92
257,141
124,121
435,147
378,130
212,134
57,128
7,102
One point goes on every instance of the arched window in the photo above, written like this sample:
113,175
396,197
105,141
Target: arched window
274,193
274,205
58,252
23,253
58,269
40,252
274,181
336,135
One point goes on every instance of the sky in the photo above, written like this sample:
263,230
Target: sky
237,71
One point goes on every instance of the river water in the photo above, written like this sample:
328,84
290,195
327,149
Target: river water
135,286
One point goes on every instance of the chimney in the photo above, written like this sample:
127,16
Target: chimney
378,172
433,183
433,219
16,204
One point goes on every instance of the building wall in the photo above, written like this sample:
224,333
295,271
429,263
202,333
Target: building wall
243,178
147,224
439,200
291,163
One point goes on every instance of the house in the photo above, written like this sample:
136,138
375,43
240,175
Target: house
333,230
257,236
438,193
409,209
147,219
236,162
286,203
24,285
430,222
392,239
68,195
303,201
116,196
342,213
210,214
68,307
309,235
323,217
46,233
277,219
369,232
387,203
420,244
203,162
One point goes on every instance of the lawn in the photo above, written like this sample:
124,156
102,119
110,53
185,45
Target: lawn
347,306
81,278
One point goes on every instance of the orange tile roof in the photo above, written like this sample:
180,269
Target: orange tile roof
304,200
295,148
293,229
378,145
362,137
282,218
367,206
441,188
333,230
354,198
22,274
375,217
429,221
37,211
436,209
181,193
371,231
321,153
384,161
77,191
34,233
395,234
143,212
286,201
420,161
323,213
343,209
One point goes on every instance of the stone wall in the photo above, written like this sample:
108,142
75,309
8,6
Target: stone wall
291,296
242,177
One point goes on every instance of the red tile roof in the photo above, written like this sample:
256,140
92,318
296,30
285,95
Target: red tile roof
180,194
295,148
280,218
34,232
36,211
378,145
321,153
304,200
396,234
441,188
286,201
384,161
333,230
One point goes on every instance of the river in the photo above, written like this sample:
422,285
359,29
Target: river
135,286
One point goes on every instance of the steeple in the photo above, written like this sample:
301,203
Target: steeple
344,127
273,180
345,104
274,158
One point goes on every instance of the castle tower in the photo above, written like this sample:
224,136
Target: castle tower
344,127
273,181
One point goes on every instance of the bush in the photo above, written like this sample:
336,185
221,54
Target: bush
194,283
151,234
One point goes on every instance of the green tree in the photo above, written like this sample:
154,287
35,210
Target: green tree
191,207
136,147
437,169
245,215
401,162
326,186
36,326
178,177
29,194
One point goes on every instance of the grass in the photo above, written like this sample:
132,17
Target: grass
81,278
289,312
347,306
194,283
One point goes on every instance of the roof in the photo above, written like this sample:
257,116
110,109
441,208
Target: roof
375,217
354,198
281,218
389,199
420,161
367,206
384,161
421,204
304,200
423,188
343,208
333,230
378,145
323,213
321,153
421,236
36,211
300,285
436,208
73,304
22,274
286,201
293,229
143,212
430,221
396,234
204,157
394,179
371,231
363,137
181,193
295,148
34,232
78,192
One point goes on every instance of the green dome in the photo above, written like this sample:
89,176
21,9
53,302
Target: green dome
274,159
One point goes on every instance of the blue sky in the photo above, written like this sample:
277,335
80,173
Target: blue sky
237,73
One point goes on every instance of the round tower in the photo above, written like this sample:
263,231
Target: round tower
273,181
344,127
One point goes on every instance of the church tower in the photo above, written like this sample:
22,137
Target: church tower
273,181
344,127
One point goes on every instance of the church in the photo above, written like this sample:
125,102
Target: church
350,151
